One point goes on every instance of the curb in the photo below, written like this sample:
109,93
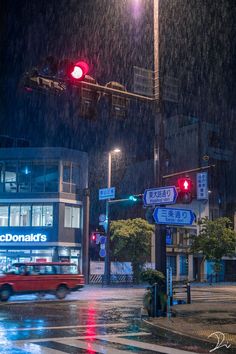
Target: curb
199,340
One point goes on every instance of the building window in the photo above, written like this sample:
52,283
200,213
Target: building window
25,215
1,176
51,178
183,264
37,177
20,215
3,215
10,177
183,238
171,262
15,215
70,177
24,176
72,217
42,215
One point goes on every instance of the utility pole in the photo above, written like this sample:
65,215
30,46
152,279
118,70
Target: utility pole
159,142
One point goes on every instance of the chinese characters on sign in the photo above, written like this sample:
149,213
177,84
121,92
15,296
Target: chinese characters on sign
202,186
173,216
107,193
162,195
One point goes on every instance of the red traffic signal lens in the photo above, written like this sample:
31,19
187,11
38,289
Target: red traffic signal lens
79,70
185,184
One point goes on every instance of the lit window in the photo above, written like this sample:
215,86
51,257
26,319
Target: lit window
3,215
42,215
37,215
72,217
25,215
15,215
47,215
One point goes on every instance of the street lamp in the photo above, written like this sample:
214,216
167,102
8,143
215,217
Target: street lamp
107,257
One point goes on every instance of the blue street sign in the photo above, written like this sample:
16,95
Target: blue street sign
158,196
172,216
107,193
102,252
103,239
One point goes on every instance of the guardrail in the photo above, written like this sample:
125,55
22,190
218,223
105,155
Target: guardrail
114,279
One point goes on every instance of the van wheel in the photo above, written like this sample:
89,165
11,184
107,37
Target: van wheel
61,292
5,292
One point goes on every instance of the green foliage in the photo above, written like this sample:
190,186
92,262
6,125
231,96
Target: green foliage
131,241
215,240
152,276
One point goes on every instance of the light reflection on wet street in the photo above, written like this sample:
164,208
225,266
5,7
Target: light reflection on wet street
92,321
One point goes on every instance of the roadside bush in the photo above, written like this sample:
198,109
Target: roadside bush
152,276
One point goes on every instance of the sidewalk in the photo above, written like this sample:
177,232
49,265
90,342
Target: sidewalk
200,320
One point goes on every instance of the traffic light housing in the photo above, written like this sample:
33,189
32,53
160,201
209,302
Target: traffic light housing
78,71
136,197
185,190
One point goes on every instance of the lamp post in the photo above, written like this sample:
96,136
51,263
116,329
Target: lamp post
107,257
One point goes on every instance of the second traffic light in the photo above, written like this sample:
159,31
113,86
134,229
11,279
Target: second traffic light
185,189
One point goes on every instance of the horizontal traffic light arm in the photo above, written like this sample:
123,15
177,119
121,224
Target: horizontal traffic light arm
60,85
188,171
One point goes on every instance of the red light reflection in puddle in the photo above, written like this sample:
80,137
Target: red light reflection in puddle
91,327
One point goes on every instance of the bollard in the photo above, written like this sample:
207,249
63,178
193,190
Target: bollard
188,293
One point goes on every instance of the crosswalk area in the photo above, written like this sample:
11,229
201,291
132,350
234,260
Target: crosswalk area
135,343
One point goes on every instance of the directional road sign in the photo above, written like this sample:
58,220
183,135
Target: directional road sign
107,193
158,196
172,216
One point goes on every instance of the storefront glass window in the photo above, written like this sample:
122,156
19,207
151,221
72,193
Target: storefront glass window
24,177
3,215
72,217
25,215
51,178
15,215
10,177
37,177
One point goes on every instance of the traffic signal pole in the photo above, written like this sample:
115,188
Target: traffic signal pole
159,144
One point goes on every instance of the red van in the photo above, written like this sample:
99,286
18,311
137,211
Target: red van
58,278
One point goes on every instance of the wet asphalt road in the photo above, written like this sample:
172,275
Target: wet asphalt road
93,320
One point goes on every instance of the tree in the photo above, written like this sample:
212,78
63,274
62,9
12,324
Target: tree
215,240
131,241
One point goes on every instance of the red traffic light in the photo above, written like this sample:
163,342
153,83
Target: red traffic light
93,237
79,70
185,184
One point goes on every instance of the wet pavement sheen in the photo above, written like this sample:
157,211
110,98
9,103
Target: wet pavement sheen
94,320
